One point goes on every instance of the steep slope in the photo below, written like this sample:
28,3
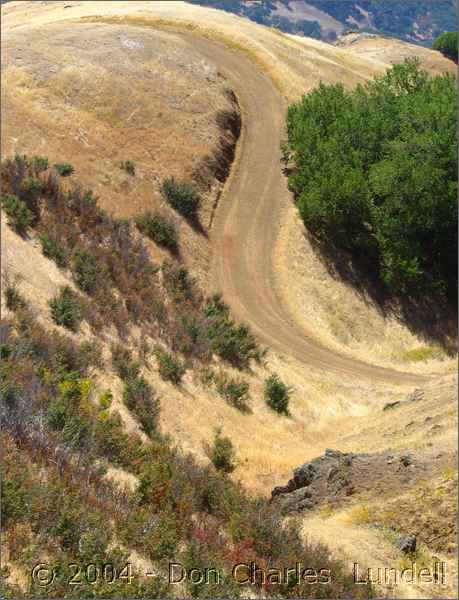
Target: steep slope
236,232
59,107
330,389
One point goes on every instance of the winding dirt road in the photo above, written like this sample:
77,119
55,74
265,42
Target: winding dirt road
246,225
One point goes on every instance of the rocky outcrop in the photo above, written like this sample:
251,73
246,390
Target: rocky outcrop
334,476
327,475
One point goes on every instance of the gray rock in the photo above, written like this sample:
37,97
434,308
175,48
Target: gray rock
297,500
333,453
304,475
332,473
406,543
304,505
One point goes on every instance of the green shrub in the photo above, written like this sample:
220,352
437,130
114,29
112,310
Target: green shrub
105,400
233,343
39,164
170,368
65,309
138,395
159,229
123,363
14,494
13,299
128,166
183,197
31,188
53,250
177,281
85,270
19,216
447,45
64,169
222,454
277,394
234,391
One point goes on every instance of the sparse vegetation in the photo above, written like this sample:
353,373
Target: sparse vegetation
128,166
183,197
178,282
65,309
55,499
105,400
139,396
40,164
234,391
170,368
222,453
64,169
13,299
159,229
85,270
233,343
52,249
277,394
122,362
113,267
18,215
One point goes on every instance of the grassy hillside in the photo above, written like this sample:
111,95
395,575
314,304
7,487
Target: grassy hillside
143,421
54,497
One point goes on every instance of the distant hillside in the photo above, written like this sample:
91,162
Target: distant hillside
415,21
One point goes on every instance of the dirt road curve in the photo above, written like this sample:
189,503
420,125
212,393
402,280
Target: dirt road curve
245,229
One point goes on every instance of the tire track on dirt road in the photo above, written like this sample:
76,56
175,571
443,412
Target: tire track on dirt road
247,222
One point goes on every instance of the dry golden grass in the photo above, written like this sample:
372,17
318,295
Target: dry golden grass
53,117
341,316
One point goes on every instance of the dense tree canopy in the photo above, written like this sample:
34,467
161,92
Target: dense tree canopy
376,174
447,45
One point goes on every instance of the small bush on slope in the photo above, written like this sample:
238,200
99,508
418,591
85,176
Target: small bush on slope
52,249
139,396
64,169
183,197
65,309
234,391
159,229
277,394
85,270
170,368
222,454
13,298
128,166
19,216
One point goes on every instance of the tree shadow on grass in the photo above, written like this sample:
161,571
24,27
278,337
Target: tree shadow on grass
196,225
432,318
